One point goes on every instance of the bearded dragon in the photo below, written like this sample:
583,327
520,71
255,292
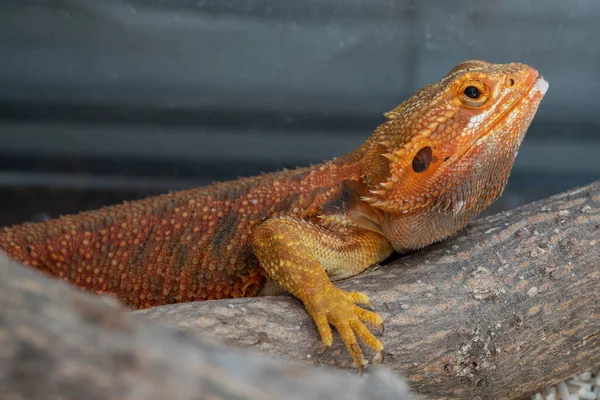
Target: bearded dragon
437,161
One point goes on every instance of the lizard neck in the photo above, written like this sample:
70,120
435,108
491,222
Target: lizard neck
349,180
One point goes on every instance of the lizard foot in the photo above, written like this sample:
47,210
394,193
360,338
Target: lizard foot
339,308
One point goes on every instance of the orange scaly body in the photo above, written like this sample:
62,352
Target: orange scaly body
440,158
182,246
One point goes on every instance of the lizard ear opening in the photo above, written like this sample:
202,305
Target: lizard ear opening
422,159
404,170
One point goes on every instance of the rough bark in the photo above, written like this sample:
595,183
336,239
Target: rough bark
506,307
59,343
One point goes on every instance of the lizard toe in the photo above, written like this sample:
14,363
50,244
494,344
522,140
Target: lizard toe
370,317
324,330
346,331
359,298
366,336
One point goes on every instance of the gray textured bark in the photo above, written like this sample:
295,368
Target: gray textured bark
59,343
505,308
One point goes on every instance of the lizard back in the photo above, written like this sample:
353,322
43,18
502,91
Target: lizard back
182,246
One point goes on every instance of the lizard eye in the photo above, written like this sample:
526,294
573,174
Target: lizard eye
422,159
473,94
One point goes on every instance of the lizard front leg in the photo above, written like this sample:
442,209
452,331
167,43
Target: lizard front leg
299,255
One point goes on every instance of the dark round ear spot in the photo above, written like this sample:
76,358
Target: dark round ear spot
422,159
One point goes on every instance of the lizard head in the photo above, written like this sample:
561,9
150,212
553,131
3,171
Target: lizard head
446,153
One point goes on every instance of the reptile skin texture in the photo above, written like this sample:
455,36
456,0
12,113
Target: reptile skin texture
438,160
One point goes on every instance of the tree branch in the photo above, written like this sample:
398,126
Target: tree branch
59,343
508,306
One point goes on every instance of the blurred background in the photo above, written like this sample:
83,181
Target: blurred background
107,100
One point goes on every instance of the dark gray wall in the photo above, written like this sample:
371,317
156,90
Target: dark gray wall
109,99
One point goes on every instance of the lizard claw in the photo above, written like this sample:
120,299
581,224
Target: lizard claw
356,351
324,349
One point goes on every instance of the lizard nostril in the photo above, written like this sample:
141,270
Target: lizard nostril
510,82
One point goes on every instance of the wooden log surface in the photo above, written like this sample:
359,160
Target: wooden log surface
58,343
507,307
